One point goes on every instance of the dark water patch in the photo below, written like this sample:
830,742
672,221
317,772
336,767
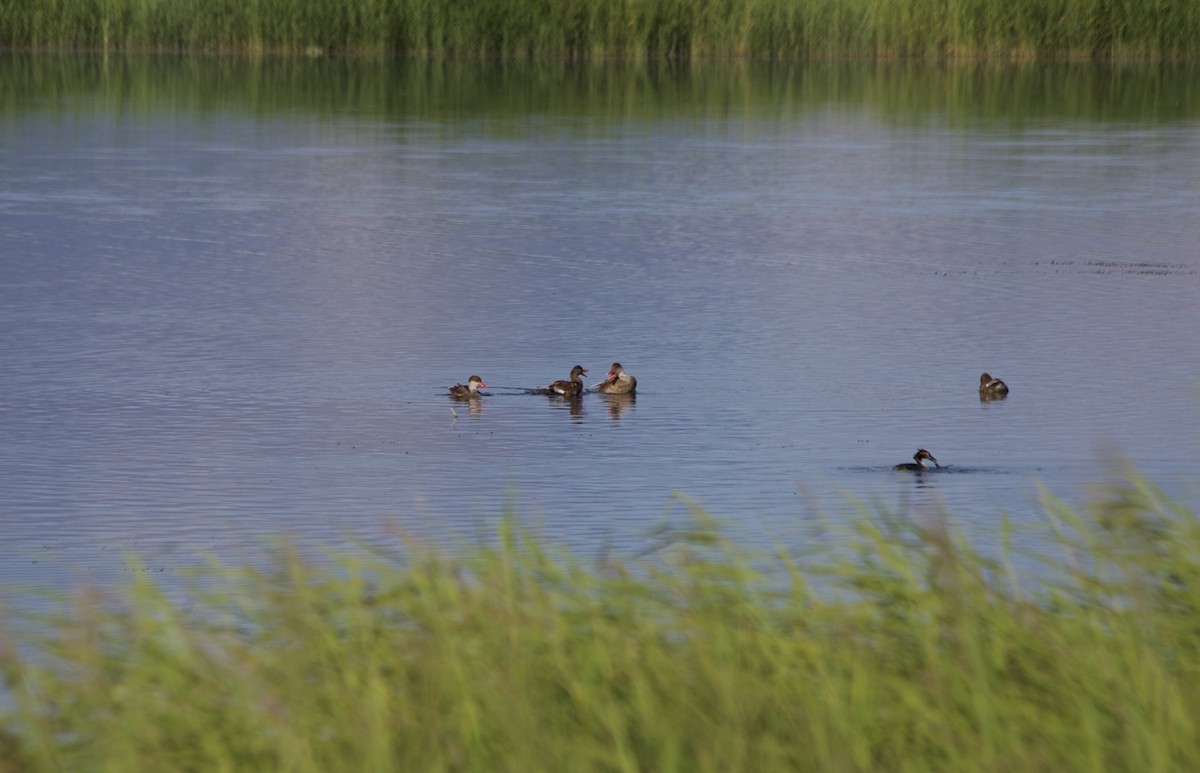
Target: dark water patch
955,469
1129,267
944,470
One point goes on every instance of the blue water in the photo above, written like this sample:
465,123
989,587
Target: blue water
222,325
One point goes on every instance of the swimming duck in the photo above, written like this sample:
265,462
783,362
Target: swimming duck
618,382
991,388
920,457
572,387
467,390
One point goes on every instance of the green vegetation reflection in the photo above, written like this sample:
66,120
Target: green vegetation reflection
894,646
586,93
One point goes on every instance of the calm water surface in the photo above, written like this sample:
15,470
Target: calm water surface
233,295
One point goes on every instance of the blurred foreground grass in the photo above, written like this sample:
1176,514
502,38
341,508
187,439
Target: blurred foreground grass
897,647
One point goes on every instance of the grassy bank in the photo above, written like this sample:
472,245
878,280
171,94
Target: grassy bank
900,649
619,28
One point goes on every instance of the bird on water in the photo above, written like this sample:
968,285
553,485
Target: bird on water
569,387
618,382
920,462
991,388
467,390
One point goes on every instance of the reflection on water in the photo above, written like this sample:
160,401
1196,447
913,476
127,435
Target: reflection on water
618,404
234,293
591,95
573,404
474,405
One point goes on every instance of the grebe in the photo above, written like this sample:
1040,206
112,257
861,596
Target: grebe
468,390
618,382
991,388
572,387
920,457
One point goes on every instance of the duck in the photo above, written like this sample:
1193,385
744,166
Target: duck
991,388
918,463
618,382
467,390
572,387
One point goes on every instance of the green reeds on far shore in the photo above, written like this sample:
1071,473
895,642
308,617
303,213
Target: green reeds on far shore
900,648
619,28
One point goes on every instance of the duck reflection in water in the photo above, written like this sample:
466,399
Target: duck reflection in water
920,462
992,388
570,403
618,403
474,409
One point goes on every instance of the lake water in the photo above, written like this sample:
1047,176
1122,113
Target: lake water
233,294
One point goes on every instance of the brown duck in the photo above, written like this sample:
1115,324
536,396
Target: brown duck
572,387
467,390
618,382
991,388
